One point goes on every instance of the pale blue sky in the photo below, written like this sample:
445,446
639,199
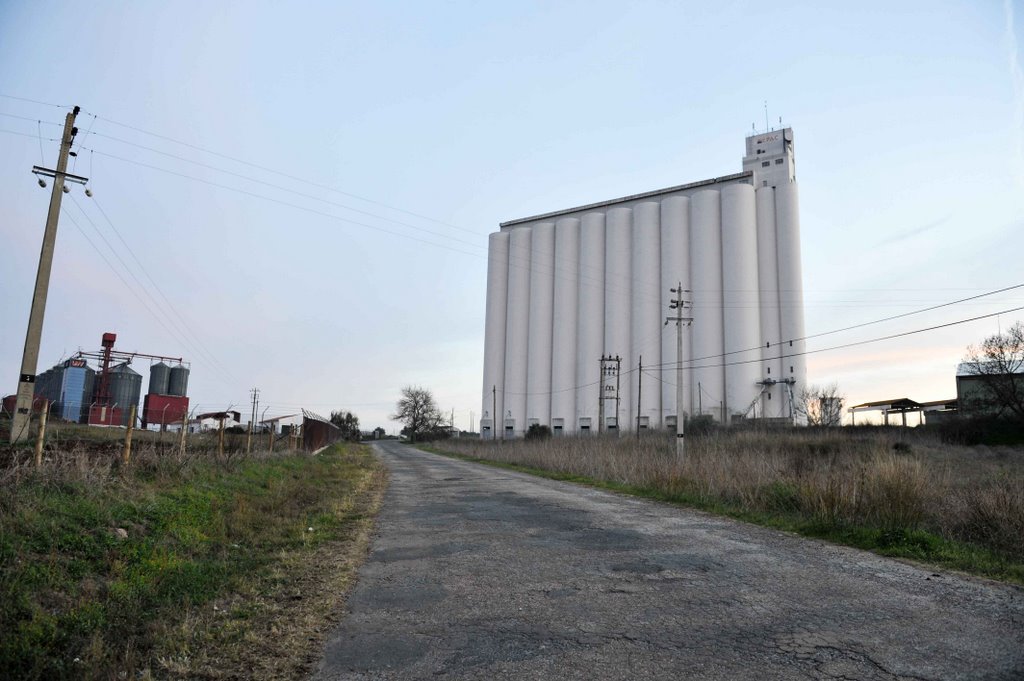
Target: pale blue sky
908,126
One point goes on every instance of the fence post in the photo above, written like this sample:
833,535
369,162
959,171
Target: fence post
184,429
128,436
220,438
270,439
41,439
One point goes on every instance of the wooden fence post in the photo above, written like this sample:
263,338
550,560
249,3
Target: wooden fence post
220,438
41,439
270,439
184,429
128,436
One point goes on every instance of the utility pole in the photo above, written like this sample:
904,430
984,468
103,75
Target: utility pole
639,393
610,366
680,305
494,410
30,356
255,392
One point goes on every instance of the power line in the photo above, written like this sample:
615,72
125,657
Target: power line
149,306
281,202
287,189
282,174
184,324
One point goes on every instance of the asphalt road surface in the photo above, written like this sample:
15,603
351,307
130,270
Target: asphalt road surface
480,573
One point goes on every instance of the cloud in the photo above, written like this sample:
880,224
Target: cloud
1017,81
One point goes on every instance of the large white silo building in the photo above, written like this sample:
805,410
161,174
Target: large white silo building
566,288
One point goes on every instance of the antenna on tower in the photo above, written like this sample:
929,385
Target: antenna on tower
766,115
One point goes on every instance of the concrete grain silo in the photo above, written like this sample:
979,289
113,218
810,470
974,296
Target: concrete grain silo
568,288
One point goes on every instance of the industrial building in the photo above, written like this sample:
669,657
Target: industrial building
570,287
67,387
77,392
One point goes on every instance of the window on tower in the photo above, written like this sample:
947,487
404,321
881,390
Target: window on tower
765,164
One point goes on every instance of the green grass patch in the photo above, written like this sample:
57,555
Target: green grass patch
784,514
79,599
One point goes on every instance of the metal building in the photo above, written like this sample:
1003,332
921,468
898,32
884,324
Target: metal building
566,288
68,387
125,390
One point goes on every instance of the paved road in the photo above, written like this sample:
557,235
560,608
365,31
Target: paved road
480,573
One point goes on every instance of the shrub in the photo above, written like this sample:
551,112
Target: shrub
538,432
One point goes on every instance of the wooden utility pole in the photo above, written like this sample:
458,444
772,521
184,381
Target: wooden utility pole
494,419
41,437
30,356
128,436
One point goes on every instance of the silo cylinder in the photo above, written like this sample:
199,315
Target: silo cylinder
772,402
791,290
590,322
517,323
675,270
538,381
708,382
646,309
494,338
563,353
740,300
617,314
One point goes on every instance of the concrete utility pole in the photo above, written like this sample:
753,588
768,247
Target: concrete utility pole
639,393
255,392
680,305
30,357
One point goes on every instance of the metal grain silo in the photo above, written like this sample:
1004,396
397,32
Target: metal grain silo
125,390
566,310
159,379
542,281
178,383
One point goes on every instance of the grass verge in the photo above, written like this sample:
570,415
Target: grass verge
775,507
169,569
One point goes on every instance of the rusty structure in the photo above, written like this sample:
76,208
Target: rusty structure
317,431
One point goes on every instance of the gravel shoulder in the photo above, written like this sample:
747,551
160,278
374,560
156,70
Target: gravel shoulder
482,573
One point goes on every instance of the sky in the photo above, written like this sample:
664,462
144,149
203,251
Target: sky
297,197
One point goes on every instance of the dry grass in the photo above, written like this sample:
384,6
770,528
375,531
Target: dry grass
880,479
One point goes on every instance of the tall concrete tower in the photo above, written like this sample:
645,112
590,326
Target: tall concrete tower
568,287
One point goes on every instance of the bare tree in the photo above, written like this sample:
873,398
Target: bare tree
821,405
418,411
998,365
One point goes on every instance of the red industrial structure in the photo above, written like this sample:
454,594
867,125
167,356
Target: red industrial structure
158,408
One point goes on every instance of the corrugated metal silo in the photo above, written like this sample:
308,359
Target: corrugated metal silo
125,389
159,379
178,383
